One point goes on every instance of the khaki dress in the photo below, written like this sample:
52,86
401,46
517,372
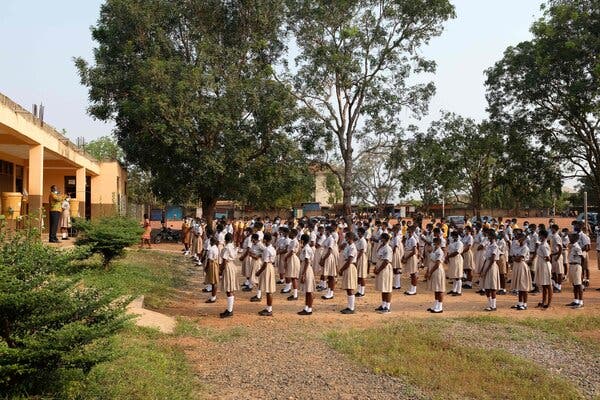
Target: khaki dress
412,264
308,253
491,279
437,279
293,263
349,276
398,253
212,268
384,280
266,281
543,268
455,264
330,264
229,278
362,263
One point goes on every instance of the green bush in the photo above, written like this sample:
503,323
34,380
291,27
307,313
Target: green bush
52,326
108,236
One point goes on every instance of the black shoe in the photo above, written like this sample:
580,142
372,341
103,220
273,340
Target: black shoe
210,301
384,311
265,313
467,287
205,290
255,299
304,312
380,308
451,292
226,314
502,292
357,294
515,307
397,288
347,311
480,291
521,308
437,311
65,238
555,290
456,294
246,289
281,282
292,298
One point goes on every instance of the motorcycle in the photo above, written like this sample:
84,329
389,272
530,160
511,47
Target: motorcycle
167,235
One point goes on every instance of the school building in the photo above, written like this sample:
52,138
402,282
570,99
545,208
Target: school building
35,156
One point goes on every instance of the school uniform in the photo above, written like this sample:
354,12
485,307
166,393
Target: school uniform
362,264
532,242
384,279
575,269
282,244
212,268
556,261
293,263
583,241
398,252
455,264
479,258
375,245
247,263
267,277
319,251
258,250
521,278
437,279
412,266
467,256
330,265
491,279
349,276
543,268
307,254
502,259
220,243
229,278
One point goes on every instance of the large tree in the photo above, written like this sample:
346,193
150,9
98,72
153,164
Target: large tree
551,84
189,86
352,76
376,179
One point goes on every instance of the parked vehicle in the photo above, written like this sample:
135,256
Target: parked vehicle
592,220
167,235
456,221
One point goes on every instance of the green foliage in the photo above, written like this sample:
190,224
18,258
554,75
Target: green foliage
352,76
108,236
550,85
52,326
105,148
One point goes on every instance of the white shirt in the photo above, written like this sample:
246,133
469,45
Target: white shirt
543,250
268,254
385,253
293,246
361,244
228,252
492,251
455,247
467,240
516,250
583,241
410,244
350,253
437,255
213,252
329,242
575,254
307,253
221,237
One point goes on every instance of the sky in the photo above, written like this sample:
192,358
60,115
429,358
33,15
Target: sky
39,38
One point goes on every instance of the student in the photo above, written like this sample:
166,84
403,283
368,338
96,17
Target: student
436,278
362,264
384,273
281,249
410,259
256,254
228,274
398,252
186,233
565,244
212,270
319,252
502,262
521,278
585,244
575,271
329,262
455,263
307,278
247,260
292,271
532,243
467,256
266,275
490,275
543,270
556,258
147,231
348,272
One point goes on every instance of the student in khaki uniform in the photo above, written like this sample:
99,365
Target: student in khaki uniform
467,256
348,272
292,262
576,271
543,270
556,258
436,277
455,263
384,273
329,262
490,276
247,260
228,274
398,253
212,270
362,262
266,275
521,278
307,278
410,260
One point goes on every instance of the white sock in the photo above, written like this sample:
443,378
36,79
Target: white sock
209,288
247,283
469,283
259,293
359,288
519,304
362,290
493,303
559,287
489,300
287,287
323,284
413,289
397,280
64,235
581,302
295,292
440,306
383,304
230,303
351,299
388,305
329,292
213,298
309,309
524,304
435,305
458,286
270,308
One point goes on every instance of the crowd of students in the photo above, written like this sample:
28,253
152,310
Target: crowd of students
308,256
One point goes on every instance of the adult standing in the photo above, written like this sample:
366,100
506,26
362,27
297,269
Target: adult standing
55,201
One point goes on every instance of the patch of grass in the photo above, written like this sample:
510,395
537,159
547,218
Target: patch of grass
444,369
151,274
187,327
145,367
566,327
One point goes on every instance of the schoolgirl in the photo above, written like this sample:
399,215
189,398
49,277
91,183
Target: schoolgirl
455,263
398,252
467,256
212,270
247,260
576,271
532,243
292,271
266,275
490,275
329,261
362,264
281,250
436,277
348,272
521,278
228,274
307,278
384,273
256,253
543,270
556,258
502,261
410,260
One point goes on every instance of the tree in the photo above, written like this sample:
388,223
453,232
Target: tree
351,77
105,148
551,84
189,86
376,179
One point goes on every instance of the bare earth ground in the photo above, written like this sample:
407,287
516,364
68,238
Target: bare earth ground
286,357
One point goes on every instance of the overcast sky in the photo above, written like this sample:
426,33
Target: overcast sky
39,38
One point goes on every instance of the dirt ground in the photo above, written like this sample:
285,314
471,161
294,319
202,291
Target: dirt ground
285,356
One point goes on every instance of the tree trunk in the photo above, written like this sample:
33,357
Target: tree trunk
347,188
208,210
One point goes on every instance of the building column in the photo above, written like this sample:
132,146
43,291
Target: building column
35,184
80,190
